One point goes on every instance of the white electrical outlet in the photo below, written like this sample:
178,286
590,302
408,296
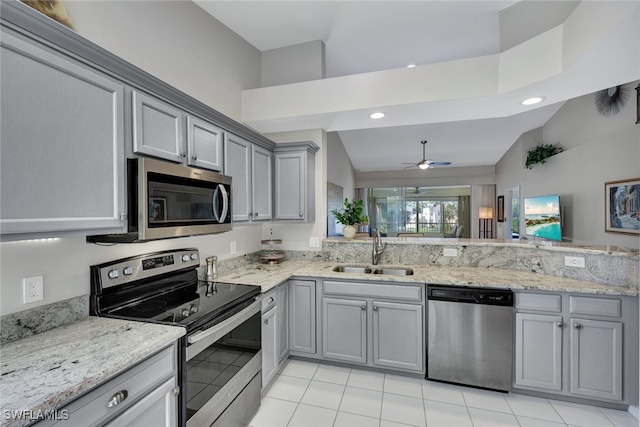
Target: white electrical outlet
574,261
233,247
314,242
32,289
450,252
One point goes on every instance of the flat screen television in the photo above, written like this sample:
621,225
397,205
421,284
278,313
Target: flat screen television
542,217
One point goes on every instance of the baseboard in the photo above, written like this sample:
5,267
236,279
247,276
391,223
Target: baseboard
633,410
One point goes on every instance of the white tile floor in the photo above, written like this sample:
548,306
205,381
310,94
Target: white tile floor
308,394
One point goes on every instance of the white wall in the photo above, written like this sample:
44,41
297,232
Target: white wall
597,149
339,168
292,64
179,43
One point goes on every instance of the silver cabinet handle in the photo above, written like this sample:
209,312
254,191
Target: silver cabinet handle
270,300
176,391
364,306
559,323
250,214
577,325
117,398
123,216
266,321
375,308
301,214
194,157
255,215
183,154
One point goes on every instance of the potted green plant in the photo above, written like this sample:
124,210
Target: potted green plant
540,154
350,216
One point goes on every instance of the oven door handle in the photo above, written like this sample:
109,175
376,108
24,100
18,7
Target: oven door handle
229,324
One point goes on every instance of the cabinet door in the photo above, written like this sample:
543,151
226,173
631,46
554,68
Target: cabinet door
283,321
538,351
344,330
290,185
261,183
269,346
596,358
204,144
397,335
237,164
158,408
62,143
302,316
157,128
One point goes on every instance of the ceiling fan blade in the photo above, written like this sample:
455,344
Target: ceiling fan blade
407,163
432,163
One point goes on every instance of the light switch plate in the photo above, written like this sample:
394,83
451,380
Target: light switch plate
574,261
233,247
314,242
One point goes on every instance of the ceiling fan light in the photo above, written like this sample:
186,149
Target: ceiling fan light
423,165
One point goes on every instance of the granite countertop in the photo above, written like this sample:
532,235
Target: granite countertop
269,276
48,370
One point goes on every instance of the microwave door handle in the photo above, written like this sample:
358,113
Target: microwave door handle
225,204
214,203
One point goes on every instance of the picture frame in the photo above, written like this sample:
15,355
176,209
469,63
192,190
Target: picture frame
500,209
622,206
157,209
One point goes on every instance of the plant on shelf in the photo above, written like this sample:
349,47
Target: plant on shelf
350,216
540,154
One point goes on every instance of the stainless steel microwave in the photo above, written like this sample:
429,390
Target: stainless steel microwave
167,200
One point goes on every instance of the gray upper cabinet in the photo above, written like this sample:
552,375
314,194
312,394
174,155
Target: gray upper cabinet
158,130
295,181
62,143
250,166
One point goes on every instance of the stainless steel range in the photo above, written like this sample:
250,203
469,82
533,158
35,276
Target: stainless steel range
220,356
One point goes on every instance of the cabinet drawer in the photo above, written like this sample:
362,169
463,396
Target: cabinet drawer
91,409
611,307
538,302
269,300
397,292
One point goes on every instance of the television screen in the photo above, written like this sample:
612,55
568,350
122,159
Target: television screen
542,217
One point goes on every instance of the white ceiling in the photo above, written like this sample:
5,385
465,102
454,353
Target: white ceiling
367,36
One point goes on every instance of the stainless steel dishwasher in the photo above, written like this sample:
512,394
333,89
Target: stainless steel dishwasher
470,336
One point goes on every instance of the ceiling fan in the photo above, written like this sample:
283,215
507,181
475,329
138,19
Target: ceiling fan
424,163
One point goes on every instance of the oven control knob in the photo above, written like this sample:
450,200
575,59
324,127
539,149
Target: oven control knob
113,274
128,270
194,257
194,308
185,312
185,258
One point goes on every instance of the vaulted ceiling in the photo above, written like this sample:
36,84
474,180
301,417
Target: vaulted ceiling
475,62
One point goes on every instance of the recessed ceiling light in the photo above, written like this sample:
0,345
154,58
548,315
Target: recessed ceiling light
376,115
411,66
532,101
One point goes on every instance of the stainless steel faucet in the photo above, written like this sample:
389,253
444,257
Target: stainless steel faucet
378,247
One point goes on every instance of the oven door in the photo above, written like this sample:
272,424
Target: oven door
174,200
223,369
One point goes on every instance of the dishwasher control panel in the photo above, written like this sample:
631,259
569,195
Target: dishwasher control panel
465,294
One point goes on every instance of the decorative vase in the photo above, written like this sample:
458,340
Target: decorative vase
349,231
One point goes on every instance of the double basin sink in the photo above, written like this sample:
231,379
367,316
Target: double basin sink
396,271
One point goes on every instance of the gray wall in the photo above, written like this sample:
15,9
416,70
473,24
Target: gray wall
597,149
292,64
339,168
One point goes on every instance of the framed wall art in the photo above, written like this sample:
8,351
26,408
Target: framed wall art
622,206
500,209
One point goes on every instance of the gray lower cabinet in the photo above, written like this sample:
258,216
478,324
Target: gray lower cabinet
144,395
360,327
282,294
158,130
596,358
62,142
302,316
344,330
269,345
295,181
582,346
538,352
251,168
